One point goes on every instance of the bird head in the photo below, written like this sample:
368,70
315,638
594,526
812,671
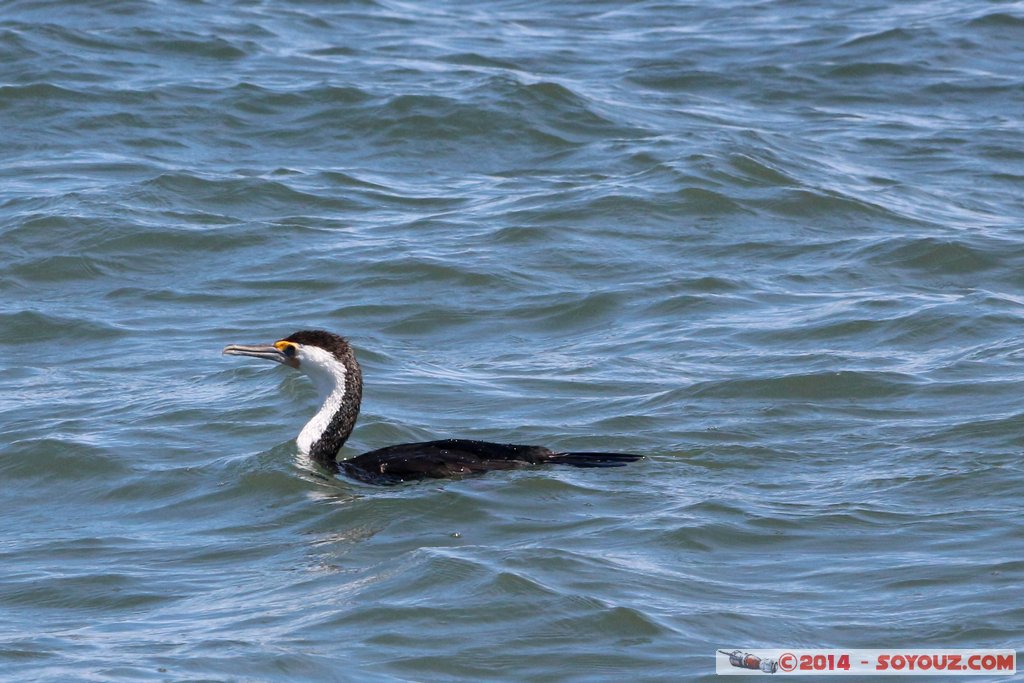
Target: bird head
313,352
329,361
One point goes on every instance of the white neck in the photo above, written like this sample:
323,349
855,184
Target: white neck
329,377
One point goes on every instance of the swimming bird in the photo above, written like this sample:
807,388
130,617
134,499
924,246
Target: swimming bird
329,361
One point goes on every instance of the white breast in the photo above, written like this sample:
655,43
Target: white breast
328,374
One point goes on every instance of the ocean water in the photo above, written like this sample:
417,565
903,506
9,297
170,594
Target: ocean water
776,246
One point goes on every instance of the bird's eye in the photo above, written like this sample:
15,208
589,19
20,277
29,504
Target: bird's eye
289,351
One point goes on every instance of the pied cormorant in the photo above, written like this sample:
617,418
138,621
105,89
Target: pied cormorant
329,361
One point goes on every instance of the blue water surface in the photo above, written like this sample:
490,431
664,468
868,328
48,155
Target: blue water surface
774,246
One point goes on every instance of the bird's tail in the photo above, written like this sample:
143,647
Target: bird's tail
577,459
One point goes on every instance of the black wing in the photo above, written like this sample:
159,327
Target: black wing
440,460
458,457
